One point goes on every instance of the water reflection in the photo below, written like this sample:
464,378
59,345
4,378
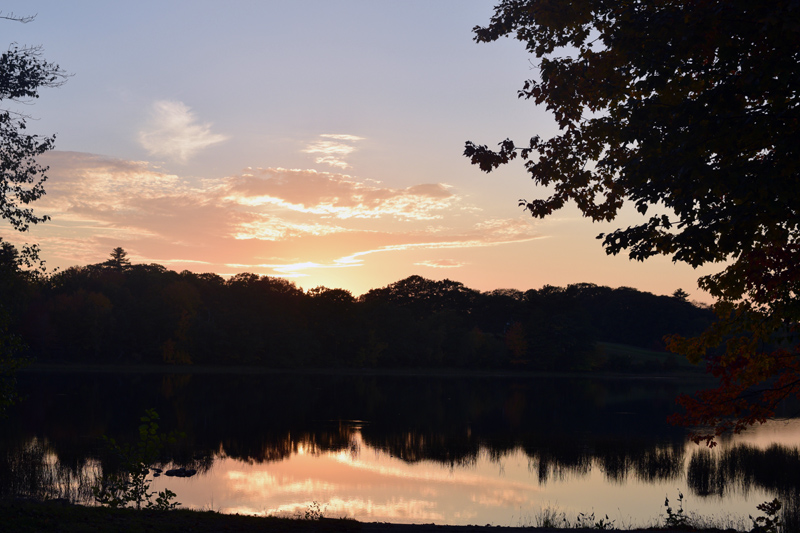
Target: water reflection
32,470
445,450
374,485
743,468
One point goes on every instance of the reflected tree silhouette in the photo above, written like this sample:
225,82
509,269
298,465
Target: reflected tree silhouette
566,427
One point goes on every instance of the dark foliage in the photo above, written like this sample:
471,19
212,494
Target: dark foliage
115,312
689,111
23,72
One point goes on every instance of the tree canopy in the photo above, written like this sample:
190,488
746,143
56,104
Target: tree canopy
145,313
690,110
23,72
118,259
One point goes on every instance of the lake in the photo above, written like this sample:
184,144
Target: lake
457,449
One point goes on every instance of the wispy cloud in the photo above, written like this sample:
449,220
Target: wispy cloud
334,151
476,239
173,132
498,233
279,222
338,195
272,228
342,137
441,263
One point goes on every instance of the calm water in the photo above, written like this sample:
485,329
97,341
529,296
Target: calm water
449,450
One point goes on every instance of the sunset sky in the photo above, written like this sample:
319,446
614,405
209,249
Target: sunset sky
317,140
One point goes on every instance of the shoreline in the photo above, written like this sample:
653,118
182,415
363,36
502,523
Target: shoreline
32,516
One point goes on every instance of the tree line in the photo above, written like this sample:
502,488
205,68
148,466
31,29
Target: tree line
120,313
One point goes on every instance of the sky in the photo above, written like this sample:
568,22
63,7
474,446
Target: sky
317,140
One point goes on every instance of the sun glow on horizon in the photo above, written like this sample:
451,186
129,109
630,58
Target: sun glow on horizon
365,172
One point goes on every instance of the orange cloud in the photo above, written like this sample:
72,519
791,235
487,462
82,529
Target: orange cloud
293,223
480,236
441,263
337,195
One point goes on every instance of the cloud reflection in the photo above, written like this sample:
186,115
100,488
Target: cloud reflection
253,484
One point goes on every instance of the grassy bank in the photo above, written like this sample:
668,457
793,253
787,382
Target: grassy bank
27,516
648,361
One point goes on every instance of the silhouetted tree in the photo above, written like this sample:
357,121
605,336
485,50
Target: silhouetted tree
332,318
690,110
22,73
147,313
681,294
423,296
119,260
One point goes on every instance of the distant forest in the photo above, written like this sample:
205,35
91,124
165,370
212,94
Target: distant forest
118,313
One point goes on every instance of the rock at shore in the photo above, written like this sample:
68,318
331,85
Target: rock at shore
180,472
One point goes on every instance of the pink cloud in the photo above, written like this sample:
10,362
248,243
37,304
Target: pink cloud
441,263
271,221
338,195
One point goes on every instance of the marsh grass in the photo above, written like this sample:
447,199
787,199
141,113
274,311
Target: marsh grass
27,516
30,516
33,472
313,512
552,516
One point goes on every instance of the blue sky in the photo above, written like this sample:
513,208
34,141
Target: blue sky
318,140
